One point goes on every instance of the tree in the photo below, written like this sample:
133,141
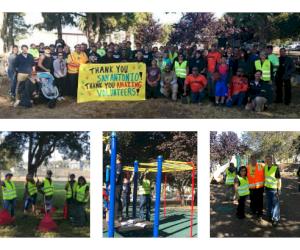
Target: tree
57,21
277,144
146,29
97,25
13,27
195,28
224,145
146,146
41,145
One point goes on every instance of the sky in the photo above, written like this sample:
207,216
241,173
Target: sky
163,17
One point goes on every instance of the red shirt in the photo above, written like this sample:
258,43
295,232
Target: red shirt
238,84
212,59
197,83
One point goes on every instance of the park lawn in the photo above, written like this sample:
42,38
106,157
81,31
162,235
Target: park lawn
27,226
176,224
154,108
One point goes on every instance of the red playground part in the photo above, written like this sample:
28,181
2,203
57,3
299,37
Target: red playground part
47,224
65,211
5,218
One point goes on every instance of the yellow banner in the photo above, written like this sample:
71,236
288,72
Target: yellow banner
111,82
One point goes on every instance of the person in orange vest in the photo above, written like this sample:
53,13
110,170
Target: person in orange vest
256,178
74,60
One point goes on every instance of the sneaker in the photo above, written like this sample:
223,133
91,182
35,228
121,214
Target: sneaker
16,104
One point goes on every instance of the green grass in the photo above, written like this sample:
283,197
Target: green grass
27,226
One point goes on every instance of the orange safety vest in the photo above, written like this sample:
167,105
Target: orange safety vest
258,179
74,60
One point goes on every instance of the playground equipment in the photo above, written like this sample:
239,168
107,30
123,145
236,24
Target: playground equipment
158,167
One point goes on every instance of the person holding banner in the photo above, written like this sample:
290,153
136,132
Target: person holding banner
153,79
74,61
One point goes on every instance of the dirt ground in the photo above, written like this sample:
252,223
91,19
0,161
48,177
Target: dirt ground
158,108
224,223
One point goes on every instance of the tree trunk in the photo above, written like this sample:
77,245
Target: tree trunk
10,41
90,31
182,199
98,28
3,28
59,27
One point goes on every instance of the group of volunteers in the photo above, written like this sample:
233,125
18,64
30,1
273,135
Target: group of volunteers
227,76
123,193
254,180
77,196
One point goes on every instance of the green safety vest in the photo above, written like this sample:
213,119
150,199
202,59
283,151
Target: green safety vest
230,177
275,62
34,52
32,188
80,193
9,191
270,179
265,68
172,56
145,188
48,188
180,69
71,190
243,188
101,52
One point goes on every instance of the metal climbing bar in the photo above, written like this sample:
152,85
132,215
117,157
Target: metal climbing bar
135,187
113,159
157,196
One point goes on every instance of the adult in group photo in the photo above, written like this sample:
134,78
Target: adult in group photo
249,77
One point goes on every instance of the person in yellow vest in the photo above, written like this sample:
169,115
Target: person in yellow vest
241,186
256,178
181,69
47,188
230,175
265,66
82,196
30,194
70,194
144,192
9,194
74,60
273,190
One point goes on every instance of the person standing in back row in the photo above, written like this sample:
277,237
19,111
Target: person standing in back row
283,78
47,188
229,181
144,191
273,190
256,177
70,195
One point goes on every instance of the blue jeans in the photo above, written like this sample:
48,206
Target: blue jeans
10,205
197,97
13,82
236,99
273,210
145,203
30,200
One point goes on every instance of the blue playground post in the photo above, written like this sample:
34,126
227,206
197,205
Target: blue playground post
107,176
135,185
157,196
113,159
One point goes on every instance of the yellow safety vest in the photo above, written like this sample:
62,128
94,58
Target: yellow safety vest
9,191
32,188
270,179
230,177
81,193
48,187
243,188
71,190
145,188
265,68
180,69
